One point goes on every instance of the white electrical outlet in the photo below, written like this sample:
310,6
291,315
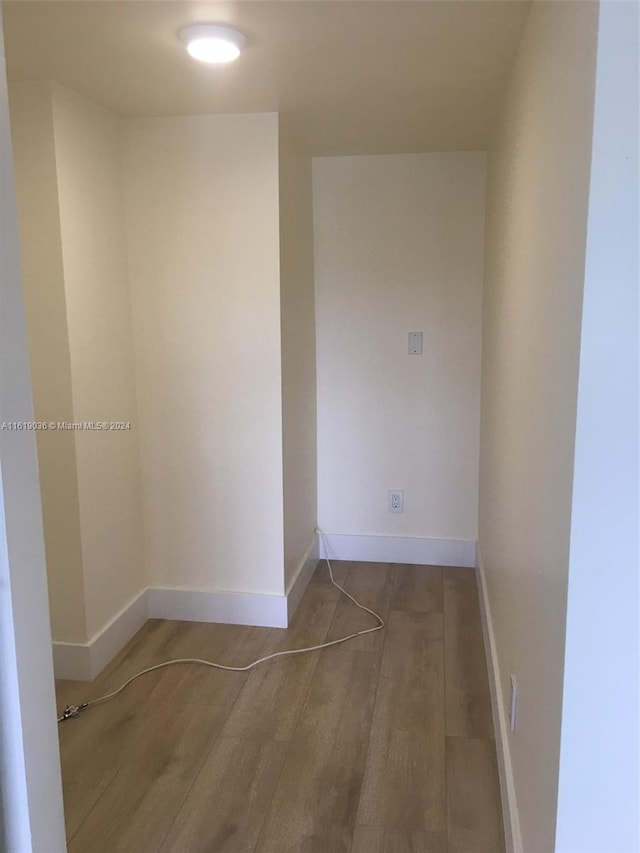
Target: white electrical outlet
513,705
396,500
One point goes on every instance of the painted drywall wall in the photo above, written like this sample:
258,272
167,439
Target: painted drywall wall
211,359
298,341
399,248
32,819
89,177
69,187
203,246
44,289
598,799
537,193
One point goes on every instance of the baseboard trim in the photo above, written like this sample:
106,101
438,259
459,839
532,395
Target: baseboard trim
511,819
84,661
106,644
307,566
232,608
72,661
396,549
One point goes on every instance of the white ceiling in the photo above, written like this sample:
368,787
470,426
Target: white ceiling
363,76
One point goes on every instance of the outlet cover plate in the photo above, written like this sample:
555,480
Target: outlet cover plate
396,500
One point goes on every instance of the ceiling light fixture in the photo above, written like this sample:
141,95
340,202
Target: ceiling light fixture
212,43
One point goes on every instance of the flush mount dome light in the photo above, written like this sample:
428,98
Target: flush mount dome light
212,43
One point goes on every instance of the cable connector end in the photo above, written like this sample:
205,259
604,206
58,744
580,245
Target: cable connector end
72,711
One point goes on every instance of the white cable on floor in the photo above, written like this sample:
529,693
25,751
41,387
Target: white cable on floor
74,710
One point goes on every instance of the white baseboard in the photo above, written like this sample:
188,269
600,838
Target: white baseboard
306,568
396,549
106,644
84,661
236,608
233,608
72,661
513,837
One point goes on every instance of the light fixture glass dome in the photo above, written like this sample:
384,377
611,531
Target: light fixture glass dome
212,43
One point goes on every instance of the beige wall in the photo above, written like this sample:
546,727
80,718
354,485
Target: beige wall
69,186
538,179
87,147
298,349
31,809
200,240
44,288
202,222
398,248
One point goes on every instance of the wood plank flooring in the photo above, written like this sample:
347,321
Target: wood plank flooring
381,745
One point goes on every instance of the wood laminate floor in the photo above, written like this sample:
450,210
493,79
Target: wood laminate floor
381,745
